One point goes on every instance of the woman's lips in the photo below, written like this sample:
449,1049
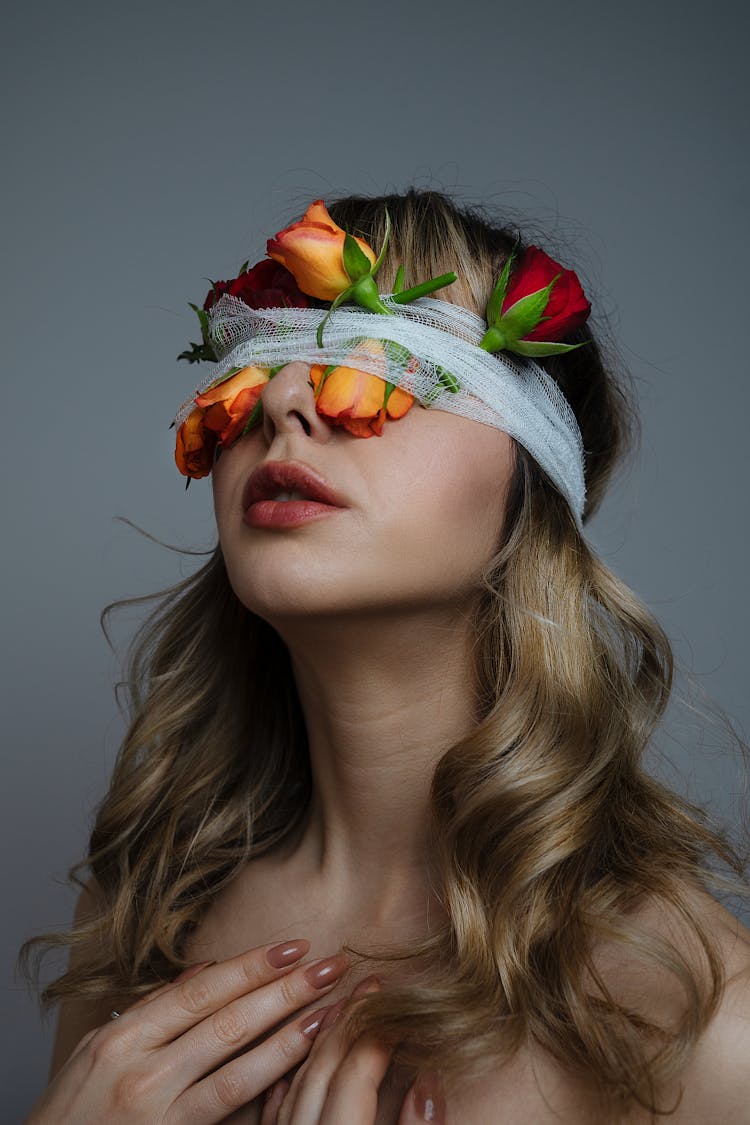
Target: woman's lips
286,513
270,479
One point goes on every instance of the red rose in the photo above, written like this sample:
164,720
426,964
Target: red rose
567,307
267,285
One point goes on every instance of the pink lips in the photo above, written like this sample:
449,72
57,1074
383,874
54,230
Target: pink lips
268,479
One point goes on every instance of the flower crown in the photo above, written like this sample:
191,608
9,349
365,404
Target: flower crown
534,303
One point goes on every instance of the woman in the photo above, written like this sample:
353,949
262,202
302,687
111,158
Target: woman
396,723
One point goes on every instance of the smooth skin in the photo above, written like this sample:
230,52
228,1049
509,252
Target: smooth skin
187,1053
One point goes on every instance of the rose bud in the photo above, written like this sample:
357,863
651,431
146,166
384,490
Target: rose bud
533,308
357,400
313,250
195,446
228,405
567,307
266,285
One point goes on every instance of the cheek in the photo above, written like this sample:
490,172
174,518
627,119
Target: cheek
450,513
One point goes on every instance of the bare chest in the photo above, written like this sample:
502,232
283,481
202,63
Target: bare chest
252,913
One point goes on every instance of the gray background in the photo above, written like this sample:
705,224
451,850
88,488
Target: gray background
149,146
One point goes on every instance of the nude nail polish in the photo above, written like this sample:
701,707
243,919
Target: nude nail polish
287,953
332,1014
428,1098
325,972
313,1022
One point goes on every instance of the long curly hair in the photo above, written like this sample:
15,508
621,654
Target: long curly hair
548,829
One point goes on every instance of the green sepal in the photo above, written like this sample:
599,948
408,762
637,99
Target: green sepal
243,268
398,284
356,262
202,315
389,389
365,293
218,452
381,255
199,353
396,353
495,303
534,348
494,339
525,315
334,305
254,418
328,371
422,290
187,483
275,370
448,380
203,321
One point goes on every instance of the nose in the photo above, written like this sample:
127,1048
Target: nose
289,405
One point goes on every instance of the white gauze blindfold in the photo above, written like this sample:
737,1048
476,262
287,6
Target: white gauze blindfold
431,346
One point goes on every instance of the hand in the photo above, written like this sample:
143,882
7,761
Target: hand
157,1064
339,1081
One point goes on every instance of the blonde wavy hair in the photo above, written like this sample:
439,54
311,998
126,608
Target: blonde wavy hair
549,830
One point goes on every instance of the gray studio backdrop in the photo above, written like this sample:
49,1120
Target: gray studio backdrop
150,146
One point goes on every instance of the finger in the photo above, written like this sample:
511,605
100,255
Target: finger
310,1085
186,974
425,1101
245,1077
180,1006
190,971
274,1098
353,1090
227,1030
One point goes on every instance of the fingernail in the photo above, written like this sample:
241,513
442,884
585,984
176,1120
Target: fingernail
333,1013
277,1092
313,1023
369,984
325,972
428,1098
191,970
287,953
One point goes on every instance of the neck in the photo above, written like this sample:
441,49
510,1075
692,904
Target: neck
383,699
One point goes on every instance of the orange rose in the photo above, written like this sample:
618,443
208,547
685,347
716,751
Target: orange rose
219,416
227,406
313,250
357,400
195,447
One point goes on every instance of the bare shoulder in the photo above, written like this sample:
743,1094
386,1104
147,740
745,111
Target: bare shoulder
715,1086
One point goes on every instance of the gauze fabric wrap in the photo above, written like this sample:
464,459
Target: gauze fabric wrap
430,346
